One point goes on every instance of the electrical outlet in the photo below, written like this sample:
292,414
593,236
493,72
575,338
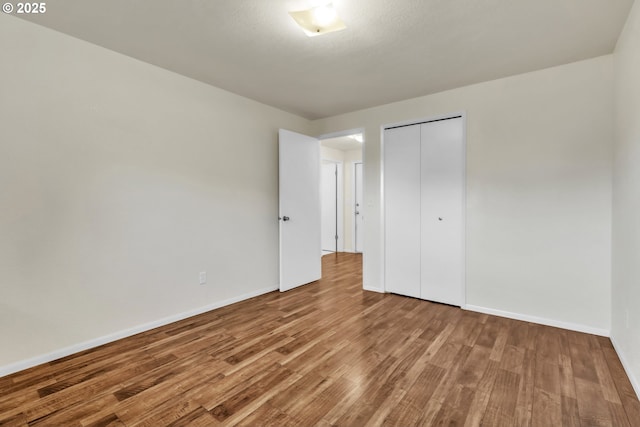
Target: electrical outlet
203,277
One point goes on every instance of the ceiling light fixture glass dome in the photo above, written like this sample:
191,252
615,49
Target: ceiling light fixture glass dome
318,20
324,15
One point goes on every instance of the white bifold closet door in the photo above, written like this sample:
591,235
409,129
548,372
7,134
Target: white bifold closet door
424,220
402,210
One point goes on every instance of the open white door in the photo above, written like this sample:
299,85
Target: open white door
300,222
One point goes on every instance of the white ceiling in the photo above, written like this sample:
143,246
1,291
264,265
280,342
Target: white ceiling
391,50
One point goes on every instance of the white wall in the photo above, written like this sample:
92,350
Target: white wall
538,190
328,153
626,199
119,183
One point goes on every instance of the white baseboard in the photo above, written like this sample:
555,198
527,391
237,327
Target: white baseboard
540,320
67,351
627,367
368,288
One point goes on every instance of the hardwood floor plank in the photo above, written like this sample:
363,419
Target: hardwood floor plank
256,349
524,406
17,420
410,409
548,345
512,358
168,414
592,407
199,417
318,353
110,420
184,385
501,341
72,413
474,367
489,333
447,384
267,416
547,409
306,385
239,400
582,362
16,401
238,380
502,402
547,377
547,403
380,387
76,395
623,385
570,413
455,408
481,395
618,415
468,329
311,408
331,354
604,377
521,336
567,383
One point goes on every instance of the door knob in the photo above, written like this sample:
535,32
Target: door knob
285,218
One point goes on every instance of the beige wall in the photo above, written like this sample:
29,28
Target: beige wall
625,327
120,182
539,149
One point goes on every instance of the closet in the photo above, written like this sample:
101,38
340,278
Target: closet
424,190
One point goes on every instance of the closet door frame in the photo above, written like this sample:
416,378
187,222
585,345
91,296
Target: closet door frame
463,116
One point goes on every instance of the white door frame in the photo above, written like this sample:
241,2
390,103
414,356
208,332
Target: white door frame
463,115
339,202
354,238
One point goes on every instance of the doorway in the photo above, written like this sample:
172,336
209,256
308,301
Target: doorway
342,184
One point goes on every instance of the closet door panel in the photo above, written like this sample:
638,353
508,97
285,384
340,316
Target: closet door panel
442,190
401,176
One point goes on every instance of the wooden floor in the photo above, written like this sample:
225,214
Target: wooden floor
330,353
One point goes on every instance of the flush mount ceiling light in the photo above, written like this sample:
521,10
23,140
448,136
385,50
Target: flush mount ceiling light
318,20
